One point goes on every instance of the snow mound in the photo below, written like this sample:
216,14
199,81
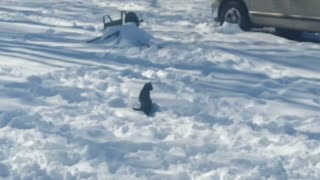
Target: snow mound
128,34
230,106
229,28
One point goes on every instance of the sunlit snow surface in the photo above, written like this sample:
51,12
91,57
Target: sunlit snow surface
230,104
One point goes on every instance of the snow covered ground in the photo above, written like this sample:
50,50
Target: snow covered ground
231,104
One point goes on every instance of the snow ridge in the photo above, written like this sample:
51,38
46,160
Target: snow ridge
230,104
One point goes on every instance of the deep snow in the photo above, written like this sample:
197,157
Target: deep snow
230,104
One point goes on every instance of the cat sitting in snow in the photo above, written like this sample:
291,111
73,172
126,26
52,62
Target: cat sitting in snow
145,100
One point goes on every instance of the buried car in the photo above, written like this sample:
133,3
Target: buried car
289,17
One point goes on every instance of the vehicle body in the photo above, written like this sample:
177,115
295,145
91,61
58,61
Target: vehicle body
290,15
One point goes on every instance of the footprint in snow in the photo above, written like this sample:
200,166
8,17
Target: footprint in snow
317,101
4,171
18,119
116,102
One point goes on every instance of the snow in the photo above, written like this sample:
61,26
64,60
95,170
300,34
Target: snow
229,104
125,35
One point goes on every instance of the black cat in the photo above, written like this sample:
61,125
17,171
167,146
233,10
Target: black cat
145,100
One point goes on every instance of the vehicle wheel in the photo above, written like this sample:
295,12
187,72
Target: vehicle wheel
132,17
236,13
289,34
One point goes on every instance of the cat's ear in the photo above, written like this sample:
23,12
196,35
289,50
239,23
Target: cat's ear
150,86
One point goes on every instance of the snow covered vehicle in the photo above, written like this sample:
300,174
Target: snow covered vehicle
289,17
112,27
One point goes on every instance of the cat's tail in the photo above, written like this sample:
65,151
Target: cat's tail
137,109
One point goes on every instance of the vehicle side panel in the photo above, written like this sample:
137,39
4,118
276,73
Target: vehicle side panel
271,13
306,14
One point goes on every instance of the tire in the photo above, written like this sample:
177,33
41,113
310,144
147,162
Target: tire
132,17
236,13
289,34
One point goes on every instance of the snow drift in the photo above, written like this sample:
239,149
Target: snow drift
125,35
239,105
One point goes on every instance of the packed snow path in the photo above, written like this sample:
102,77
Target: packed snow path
231,104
